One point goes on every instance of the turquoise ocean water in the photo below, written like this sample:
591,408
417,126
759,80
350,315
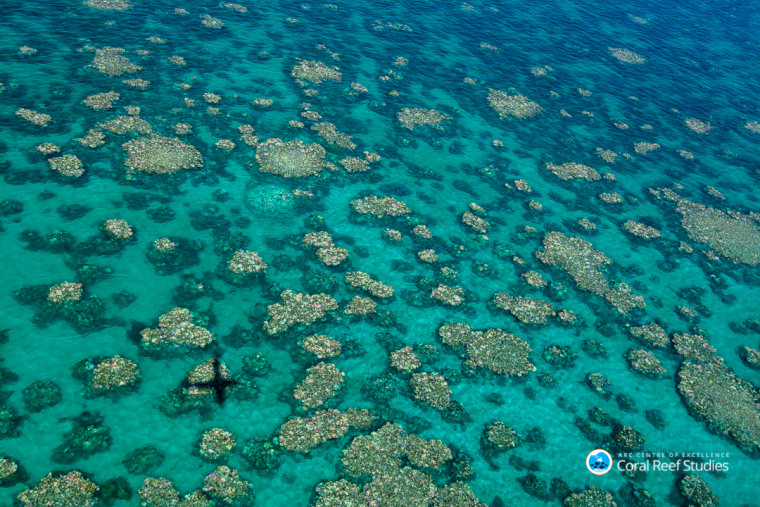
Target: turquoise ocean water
690,87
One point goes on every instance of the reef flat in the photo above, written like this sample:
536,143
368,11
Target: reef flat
377,253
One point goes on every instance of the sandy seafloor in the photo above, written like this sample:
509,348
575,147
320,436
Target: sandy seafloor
701,61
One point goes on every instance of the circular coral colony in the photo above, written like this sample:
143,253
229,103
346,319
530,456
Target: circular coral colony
400,274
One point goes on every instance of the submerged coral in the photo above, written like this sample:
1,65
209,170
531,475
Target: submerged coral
161,155
291,159
378,458
321,383
302,435
380,206
452,296
627,56
513,106
653,334
113,373
641,230
728,403
499,436
315,72
416,117
108,5
362,280
225,483
67,165
527,310
71,488
67,292
101,101
322,346
216,443
573,170
584,264
432,389
33,117
246,262
297,308
176,329
731,234
494,349
111,62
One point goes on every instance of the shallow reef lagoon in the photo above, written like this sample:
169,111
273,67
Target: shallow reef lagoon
379,253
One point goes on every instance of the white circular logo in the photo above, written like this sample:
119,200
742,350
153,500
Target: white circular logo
599,462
